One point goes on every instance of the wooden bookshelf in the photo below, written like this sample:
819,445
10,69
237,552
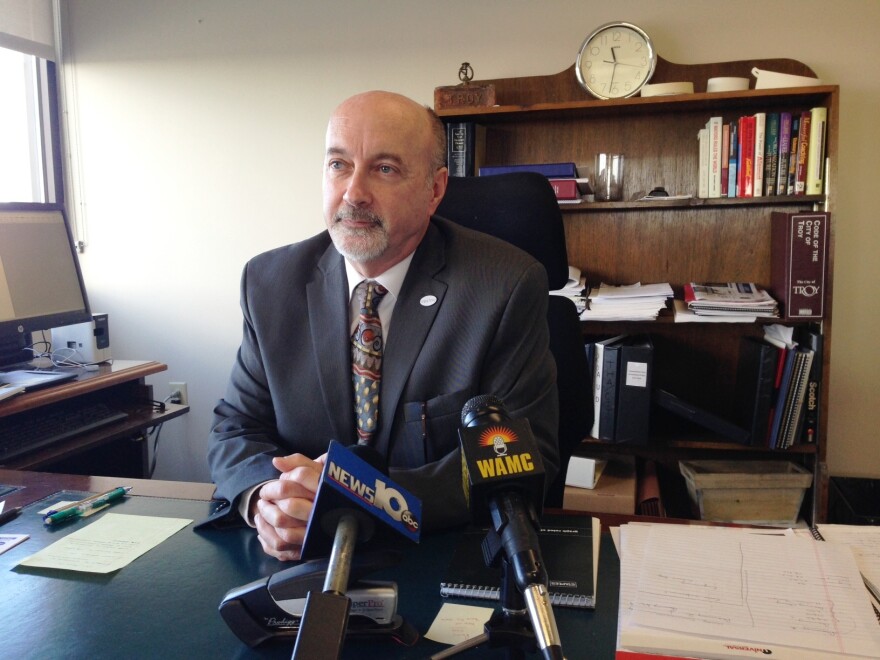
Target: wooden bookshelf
550,118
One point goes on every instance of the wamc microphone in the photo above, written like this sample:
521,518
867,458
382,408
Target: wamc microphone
354,501
503,480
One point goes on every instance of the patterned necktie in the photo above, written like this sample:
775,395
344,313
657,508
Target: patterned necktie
366,360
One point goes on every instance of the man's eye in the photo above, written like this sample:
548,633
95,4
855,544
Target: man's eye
386,169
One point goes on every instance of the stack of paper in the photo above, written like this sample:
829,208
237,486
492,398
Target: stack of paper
864,541
723,592
573,289
633,302
730,299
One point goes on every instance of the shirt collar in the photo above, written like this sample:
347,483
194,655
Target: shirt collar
391,279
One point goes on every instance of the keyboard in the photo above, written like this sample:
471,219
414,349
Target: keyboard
53,424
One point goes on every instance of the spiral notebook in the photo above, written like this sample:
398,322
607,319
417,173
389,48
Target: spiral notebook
569,546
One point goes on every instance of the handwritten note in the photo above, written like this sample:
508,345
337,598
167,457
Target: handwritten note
734,585
107,544
457,623
865,543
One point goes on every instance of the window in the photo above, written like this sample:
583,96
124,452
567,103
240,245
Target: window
30,166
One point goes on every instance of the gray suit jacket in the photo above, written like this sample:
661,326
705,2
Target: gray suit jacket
290,388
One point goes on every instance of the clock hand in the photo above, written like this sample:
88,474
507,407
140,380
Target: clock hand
613,59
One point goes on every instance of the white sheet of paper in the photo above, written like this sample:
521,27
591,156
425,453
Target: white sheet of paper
9,541
107,544
762,588
457,623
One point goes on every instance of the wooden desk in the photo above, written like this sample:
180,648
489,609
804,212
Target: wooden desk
119,449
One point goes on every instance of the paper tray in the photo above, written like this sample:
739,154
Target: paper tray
765,492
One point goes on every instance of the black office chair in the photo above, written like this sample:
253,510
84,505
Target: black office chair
521,208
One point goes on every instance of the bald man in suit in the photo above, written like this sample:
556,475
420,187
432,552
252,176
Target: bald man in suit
465,315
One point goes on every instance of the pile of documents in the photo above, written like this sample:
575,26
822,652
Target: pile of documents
730,299
573,289
722,592
633,302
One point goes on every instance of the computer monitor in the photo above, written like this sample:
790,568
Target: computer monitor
41,284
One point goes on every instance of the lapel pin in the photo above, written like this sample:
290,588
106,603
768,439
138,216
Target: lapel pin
427,301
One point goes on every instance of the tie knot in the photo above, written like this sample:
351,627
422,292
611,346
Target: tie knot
370,294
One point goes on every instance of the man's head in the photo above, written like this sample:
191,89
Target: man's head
384,175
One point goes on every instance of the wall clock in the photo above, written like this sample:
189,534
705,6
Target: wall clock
615,61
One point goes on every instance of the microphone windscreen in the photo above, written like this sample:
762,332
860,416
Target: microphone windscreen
350,484
497,453
483,408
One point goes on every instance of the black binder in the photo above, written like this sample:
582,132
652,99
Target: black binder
634,390
753,391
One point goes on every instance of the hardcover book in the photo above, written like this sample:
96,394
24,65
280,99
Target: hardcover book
746,167
803,151
771,153
565,188
732,174
784,153
703,163
816,157
793,154
760,139
464,147
714,135
798,263
570,549
550,170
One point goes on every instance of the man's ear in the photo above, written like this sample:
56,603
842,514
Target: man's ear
441,179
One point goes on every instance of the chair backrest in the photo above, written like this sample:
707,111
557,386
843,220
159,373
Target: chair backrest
521,208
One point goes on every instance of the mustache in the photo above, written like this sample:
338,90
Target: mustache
359,215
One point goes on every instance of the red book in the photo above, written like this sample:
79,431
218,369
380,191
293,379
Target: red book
565,188
746,166
725,158
798,262
803,152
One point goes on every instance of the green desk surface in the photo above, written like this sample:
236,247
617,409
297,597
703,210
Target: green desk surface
164,604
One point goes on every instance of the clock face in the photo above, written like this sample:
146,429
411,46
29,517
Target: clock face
615,61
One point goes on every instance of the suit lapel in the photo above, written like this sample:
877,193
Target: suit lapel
327,307
420,300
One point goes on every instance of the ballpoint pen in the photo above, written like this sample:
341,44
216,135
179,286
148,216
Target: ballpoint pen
81,508
6,516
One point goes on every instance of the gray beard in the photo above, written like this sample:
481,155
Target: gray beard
362,244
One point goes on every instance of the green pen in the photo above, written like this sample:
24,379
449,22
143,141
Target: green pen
81,508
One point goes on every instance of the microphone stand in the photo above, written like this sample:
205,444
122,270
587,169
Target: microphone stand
511,627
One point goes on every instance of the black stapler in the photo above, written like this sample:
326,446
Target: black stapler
271,608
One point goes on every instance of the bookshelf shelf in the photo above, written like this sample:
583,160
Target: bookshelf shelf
551,119
804,201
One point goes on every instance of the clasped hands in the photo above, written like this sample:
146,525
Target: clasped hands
283,506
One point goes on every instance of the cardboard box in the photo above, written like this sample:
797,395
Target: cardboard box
766,492
615,491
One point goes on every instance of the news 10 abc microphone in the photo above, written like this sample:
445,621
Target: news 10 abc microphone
503,479
355,502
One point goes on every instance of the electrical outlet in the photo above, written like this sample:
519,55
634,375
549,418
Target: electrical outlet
179,387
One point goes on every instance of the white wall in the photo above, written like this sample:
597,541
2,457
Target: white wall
200,124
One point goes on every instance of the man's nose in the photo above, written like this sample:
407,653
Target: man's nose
357,192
